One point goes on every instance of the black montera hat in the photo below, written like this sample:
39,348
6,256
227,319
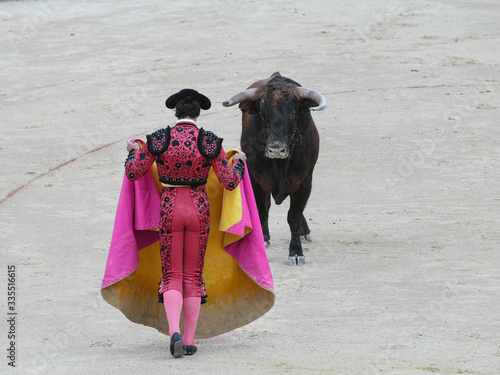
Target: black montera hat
202,99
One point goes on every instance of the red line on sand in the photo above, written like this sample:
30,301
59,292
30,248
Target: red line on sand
18,189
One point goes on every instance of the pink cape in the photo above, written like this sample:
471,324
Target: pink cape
237,275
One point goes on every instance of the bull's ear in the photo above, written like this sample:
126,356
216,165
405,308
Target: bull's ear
248,107
305,104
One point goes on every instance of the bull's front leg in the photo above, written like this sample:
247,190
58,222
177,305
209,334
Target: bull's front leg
295,254
263,202
297,223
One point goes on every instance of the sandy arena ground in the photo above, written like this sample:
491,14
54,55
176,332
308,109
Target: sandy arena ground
402,276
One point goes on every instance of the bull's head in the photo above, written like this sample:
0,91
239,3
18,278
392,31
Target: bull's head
281,106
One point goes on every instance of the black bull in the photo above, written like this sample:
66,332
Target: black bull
281,142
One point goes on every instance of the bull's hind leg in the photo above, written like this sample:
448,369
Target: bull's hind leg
297,223
305,233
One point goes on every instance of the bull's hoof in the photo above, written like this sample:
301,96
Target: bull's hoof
267,244
296,260
306,237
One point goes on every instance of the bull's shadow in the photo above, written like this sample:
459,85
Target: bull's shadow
281,142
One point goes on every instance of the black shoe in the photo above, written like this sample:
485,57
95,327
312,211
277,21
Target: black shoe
190,349
176,345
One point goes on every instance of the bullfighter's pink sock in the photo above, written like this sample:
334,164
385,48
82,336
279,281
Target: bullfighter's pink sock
191,311
172,300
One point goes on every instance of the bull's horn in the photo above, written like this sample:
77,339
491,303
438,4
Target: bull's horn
314,96
248,94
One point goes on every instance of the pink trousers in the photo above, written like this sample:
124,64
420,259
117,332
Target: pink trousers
184,227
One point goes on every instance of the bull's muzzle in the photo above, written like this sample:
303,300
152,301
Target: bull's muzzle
277,151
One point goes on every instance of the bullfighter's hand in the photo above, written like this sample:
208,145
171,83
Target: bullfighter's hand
131,146
237,156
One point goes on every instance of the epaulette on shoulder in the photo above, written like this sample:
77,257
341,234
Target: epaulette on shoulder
209,144
159,141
